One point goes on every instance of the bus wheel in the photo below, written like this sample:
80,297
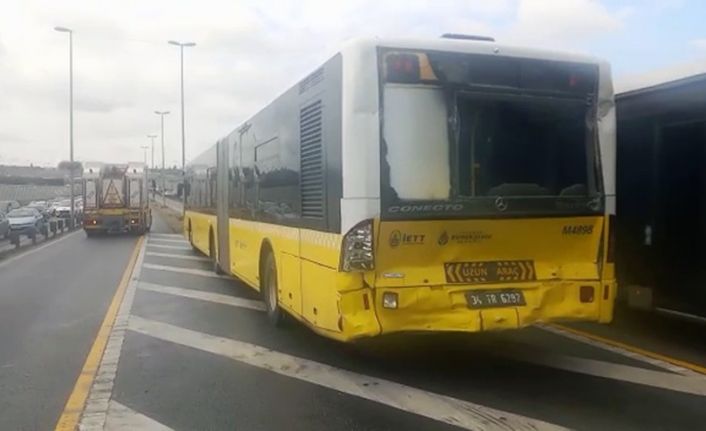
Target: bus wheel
268,288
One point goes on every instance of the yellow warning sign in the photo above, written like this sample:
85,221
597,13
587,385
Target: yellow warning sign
489,271
111,197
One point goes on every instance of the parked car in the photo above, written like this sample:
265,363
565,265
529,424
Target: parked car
7,206
63,209
38,204
25,220
54,204
41,207
4,225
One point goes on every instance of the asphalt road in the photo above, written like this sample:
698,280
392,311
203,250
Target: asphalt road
194,351
53,298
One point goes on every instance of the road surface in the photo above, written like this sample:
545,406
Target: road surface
52,299
191,350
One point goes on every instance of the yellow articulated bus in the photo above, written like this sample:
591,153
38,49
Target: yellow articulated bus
438,185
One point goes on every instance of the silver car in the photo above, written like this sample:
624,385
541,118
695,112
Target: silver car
25,220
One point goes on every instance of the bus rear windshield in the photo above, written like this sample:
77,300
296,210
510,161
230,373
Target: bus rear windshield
521,146
469,146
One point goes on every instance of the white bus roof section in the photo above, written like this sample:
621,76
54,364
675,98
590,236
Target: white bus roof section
469,47
135,169
92,169
676,74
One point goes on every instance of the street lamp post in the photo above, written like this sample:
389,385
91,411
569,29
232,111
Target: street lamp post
144,153
181,46
71,118
152,136
164,184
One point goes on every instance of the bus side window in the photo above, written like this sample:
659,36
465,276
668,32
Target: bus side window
212,176
234,182
234,179
247,164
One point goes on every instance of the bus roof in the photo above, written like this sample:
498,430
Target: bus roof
660,78
469,46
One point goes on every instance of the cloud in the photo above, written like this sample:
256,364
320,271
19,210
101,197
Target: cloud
698,43
9,137
564,23
247,53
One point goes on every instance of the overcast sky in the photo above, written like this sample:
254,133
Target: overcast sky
248,52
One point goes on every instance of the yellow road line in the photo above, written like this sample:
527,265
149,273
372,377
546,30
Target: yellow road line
638,350
77,400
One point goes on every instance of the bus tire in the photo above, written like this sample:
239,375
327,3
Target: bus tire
268,289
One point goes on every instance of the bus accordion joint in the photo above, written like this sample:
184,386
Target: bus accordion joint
357,248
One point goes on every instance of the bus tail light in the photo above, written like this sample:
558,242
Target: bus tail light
357,248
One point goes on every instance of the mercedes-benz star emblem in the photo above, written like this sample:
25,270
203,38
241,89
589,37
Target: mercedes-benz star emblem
500,203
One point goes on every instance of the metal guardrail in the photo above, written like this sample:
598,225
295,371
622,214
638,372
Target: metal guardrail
52,228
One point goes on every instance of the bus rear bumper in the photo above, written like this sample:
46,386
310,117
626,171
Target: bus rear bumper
445,308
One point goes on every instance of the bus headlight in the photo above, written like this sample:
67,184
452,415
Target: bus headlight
357,248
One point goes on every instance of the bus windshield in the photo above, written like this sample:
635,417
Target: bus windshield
500,144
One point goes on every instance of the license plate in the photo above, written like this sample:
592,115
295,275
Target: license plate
495,298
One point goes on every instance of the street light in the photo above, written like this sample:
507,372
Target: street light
181,46
164,184
144,151
152,136
71,117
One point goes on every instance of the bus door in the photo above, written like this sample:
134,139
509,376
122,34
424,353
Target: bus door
680,230
222,214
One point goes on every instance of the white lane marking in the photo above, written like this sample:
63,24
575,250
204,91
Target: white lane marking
121,417
199,272
627,353
165,235
40,248
682,315
609,370
168,241
177,256
203,296
428,404
96,409
171,247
